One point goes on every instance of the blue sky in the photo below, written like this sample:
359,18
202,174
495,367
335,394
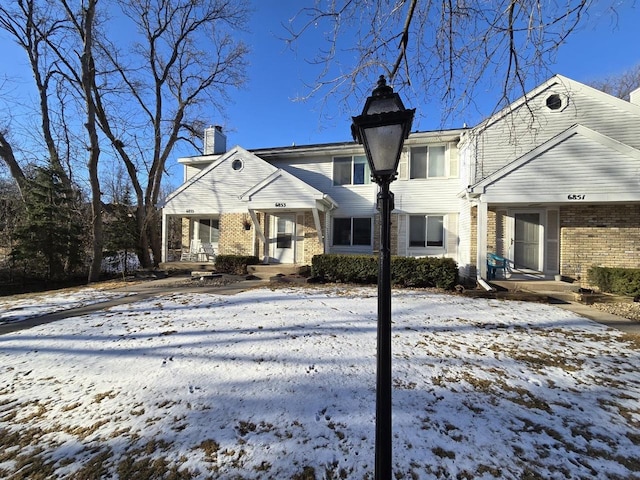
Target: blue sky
263,113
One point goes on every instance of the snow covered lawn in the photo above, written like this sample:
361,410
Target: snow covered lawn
280,384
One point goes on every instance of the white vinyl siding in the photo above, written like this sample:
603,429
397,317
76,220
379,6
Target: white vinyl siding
508,138
600,171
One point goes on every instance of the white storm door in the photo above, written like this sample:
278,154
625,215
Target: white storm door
284,247
527,241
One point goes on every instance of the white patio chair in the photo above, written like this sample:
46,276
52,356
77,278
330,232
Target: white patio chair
209,252
191,255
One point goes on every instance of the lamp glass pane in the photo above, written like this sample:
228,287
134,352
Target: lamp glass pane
384,146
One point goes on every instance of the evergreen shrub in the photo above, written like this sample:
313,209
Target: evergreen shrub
405,271
620,281
235,264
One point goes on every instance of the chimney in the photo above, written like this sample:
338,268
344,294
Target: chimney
634,97
215,142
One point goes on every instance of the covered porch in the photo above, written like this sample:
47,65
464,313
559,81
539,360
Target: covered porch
560,209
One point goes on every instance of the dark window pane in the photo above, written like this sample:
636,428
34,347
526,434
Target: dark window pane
418,162
417,231
362,231
283,240
435,232
342,231
342,171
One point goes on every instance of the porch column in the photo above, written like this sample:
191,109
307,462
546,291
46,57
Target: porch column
165,230
259,231
481,257
316,220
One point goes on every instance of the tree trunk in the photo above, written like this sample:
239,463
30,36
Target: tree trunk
6,153
88,80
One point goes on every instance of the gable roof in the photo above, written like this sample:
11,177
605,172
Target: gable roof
577,161
569,85
221,187
284,188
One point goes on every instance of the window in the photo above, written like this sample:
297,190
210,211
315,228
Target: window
208,230
554,102
237,164
351,170
426,231
352,231
428,162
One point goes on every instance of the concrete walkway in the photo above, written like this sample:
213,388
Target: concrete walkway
136,292
146,289
563,295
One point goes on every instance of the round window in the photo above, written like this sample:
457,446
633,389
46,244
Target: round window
236,164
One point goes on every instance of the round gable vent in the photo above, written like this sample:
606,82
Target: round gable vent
554,102
237,164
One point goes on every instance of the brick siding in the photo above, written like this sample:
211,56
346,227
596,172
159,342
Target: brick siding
598,235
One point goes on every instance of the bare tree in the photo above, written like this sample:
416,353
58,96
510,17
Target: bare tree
620,85
137,98
188,53
31,27
439,53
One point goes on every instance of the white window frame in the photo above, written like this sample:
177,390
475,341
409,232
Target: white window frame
427,249
366,174
351,233
197,232
445,159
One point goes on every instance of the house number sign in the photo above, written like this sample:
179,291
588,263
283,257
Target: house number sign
575,196
280,205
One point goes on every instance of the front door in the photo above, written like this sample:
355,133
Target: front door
284,248
526,239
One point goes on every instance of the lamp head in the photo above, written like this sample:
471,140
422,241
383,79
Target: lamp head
382,128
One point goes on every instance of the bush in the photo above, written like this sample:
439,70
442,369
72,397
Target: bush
405,271
235,264
620,281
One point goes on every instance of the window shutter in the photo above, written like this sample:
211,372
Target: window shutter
454,169
552,242
451,232
403,166
403,241
501,246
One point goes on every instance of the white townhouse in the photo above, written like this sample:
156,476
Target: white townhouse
551,183
554,183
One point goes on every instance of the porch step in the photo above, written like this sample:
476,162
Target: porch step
266,272
554,290
188,266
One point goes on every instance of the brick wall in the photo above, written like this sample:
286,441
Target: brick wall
234,239
394,233
473,246
311,245
186,233
600,235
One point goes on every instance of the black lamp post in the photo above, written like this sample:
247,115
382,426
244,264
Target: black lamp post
382,128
